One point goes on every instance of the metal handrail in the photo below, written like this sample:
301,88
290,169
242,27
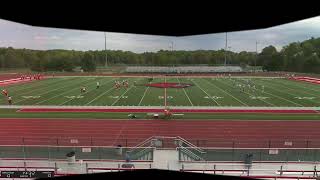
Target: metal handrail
191,145
189,153
142,143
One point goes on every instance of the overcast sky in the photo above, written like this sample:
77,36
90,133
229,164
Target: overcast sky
23,36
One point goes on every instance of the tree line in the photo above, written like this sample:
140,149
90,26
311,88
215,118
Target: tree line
295,57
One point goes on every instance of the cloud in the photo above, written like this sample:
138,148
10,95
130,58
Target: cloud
25,36
37,37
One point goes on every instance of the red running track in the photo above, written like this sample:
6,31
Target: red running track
154,110
308,79
215,133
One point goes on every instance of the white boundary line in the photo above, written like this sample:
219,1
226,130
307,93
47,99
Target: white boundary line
143,95
228,94
205,92
155,107
186,93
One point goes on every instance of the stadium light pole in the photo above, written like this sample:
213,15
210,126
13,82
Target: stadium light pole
172,46
255,60
105,48
229,48
225,50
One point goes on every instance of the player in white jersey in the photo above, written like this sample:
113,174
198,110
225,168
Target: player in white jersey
9,100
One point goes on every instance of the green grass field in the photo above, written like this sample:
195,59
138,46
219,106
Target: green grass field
204,92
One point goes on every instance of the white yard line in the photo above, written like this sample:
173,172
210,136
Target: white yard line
86,93
205,93
186,93
99,96
252,95
299,91
290,82
62,93
229,94
281,97
121,96
43,86
143,95
42,93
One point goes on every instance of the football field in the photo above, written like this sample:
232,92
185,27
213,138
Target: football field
178,91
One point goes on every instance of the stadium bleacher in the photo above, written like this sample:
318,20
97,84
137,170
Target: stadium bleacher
183,69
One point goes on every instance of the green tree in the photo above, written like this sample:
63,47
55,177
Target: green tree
87,62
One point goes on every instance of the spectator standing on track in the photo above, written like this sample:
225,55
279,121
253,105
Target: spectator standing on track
9,100
128,159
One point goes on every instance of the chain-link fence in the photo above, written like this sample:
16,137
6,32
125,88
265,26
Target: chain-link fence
248,155
167,143
80,152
